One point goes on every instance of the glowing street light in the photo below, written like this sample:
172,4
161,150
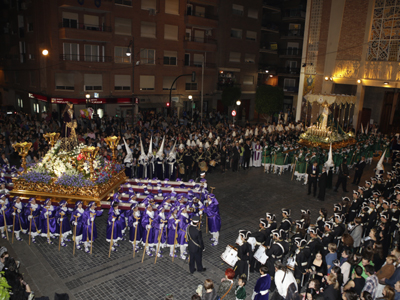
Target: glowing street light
45,52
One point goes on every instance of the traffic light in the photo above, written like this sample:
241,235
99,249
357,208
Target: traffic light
167,104
193,76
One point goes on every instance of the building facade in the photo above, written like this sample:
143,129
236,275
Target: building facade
111,54
353,47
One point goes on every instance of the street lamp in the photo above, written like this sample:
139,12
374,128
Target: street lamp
45,52
238,102
87,96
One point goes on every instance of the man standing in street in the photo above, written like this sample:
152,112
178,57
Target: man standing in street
195,245
323,177
246,155
343,175
236,155
359,171
312,177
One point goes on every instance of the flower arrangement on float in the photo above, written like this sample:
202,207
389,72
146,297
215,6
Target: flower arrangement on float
71,169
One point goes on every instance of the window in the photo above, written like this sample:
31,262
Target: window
147,82
237,10
93,82
199,36
236,33
122,82
124,2
171,32
148,29
123,26
170,58
70,20
31,51
20,103
198,60
251,35
22,51
291,66
147,56
149,4
64,81
250,58
234,57
190,86
289,84
36,108
200,11
167,82
172,7
293,49
71,51
187,59
252,13
248,80
30,27
91,22
92,53
120,55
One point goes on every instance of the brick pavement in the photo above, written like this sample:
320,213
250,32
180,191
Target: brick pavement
244,197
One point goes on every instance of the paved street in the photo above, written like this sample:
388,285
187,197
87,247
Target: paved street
244,197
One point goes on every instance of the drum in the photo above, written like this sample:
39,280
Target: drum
181,169
212,163
291,263
203,166
260,255
252,241
230,256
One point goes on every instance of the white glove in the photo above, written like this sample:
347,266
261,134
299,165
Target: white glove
92,219
75,223
177,221
162,226
18,210
46,214
200,212
78,214
135,224
13,213
148,227
29,217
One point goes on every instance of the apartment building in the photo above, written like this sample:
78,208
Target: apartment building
106,53
282,33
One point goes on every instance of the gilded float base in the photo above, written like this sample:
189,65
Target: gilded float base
57,193
335,145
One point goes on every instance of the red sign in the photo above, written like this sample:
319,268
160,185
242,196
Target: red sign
39,97
233,113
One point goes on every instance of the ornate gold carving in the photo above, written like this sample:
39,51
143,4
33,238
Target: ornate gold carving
347,69
23,150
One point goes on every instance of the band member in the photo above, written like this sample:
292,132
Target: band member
195,245
245,254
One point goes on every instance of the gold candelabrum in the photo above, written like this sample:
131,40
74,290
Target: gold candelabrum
23,150
52,138
91,153
112,142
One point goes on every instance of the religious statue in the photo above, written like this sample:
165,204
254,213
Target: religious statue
68,135
324,115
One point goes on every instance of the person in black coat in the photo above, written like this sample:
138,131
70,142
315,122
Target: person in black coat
225,157
195,245
343,175
332,291
312,172
244,253
323,178
235,157
246,154
359,169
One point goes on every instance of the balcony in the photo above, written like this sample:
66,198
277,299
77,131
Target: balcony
290,90
221,85
105,5
205,43
204,20
269,48
198,65
273,5
81,31
288,72
293,34
293,15
104,61
290,53
270,27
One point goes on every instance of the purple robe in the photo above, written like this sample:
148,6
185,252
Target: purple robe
87,224
146,221
171,230
184,222
66,227
262,284
53,226
34,223
5,215
21,222
118,226
214,219
157,229
79,226
132,229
